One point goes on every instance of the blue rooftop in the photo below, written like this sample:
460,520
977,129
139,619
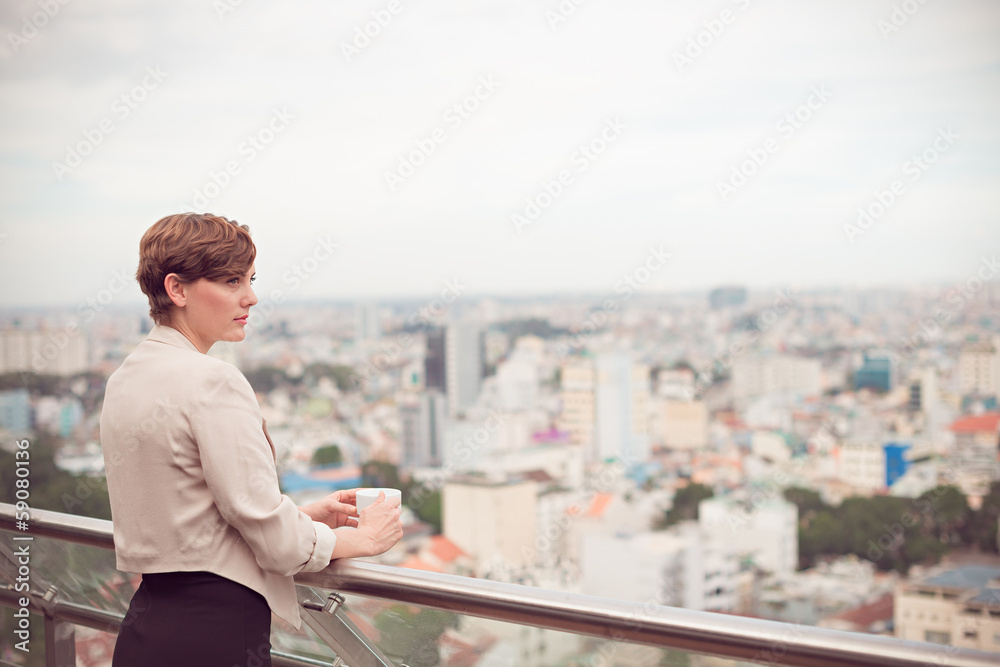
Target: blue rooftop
967,576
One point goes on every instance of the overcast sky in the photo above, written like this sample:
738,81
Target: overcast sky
115,113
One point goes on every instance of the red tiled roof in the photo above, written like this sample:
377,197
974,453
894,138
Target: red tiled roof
416,563
444,549
987,422
600,504
866,615
539,476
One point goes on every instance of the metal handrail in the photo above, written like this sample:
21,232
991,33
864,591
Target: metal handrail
109,621
708,633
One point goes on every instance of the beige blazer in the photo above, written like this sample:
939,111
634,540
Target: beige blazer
191,475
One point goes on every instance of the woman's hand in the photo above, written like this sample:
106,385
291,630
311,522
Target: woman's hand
380,526
335,510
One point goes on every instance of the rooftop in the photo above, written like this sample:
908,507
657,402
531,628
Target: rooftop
981,423
967,576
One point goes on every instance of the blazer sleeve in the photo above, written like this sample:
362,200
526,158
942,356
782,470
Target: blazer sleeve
240,473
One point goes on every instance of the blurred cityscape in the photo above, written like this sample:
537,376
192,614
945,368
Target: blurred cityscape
822,457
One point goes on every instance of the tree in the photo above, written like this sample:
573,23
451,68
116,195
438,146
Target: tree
266,379
327,455
981,531
675,659
685,507
820,535
381,474
426,502
51,487
947,513
342,376
411,638
808,502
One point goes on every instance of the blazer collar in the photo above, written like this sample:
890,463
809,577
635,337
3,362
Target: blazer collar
161,333
164,334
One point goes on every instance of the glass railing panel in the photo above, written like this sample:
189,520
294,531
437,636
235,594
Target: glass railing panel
302,643
83,574
424,637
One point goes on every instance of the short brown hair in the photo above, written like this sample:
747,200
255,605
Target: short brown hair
192,245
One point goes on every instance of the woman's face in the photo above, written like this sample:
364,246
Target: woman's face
217,309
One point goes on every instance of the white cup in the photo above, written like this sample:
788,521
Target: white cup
366,497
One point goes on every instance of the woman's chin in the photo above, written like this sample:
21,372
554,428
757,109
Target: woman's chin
237,335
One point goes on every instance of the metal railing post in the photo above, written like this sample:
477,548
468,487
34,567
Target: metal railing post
328,620
60,636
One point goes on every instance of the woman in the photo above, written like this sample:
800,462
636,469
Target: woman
191,470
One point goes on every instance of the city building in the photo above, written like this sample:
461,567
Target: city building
896,461
517,384
863,464
766,532
366,322
15,411
778,375
55,352
422,421
723,297
876,373
578,412
621,403
685,424
435,375
463,366
975,461
770,446
491,520
979,369
924,390
665,567
958,606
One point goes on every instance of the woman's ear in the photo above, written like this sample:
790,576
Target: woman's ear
176,290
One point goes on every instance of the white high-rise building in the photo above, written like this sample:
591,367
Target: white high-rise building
621,402
862,464
979,369
422,422
778,375
766,531
680,567
47,352
685,424
606,402
663,567
517,385
578,412
463,366
492,521
366,322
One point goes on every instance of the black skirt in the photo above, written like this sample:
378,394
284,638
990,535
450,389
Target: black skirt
194,619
